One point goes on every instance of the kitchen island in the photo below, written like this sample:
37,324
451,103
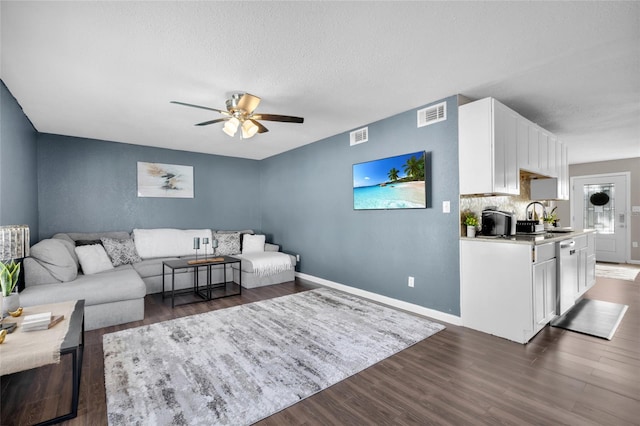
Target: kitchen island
512,287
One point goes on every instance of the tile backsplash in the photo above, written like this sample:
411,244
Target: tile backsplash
507,203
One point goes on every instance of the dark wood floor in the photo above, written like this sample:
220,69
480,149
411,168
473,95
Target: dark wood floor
458,376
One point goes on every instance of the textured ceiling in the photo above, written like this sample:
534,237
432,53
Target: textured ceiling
107,70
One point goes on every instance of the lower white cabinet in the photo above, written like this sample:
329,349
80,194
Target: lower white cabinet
586,250
544,293
507,289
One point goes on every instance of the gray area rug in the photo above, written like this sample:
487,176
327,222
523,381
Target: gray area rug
620,272
593,317
241,364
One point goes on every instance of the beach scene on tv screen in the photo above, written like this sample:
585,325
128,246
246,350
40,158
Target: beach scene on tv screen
390,183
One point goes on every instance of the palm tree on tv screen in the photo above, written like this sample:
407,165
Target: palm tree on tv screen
393,174
415,168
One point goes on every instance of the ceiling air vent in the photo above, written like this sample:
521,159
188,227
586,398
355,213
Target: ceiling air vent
359,136
432,114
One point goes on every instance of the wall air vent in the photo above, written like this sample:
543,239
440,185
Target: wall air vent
432,114
359,136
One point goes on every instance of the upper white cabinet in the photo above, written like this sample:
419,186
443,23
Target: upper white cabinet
556,188
496,143
488,148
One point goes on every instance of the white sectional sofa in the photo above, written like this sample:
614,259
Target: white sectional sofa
57,268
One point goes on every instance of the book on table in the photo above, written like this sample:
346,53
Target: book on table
41,321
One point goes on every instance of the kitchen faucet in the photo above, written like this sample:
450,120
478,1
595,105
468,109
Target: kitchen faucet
531,216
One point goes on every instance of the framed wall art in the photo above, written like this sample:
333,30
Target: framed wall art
165,180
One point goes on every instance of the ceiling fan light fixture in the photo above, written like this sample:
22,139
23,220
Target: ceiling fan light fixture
249,129
231,126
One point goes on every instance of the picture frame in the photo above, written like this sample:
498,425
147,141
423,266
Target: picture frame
164,180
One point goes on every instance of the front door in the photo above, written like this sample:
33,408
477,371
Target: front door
600,202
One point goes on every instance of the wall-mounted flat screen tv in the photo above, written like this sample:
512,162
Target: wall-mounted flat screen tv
390,183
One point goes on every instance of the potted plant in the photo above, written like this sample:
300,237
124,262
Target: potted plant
471,221
550,219
9,273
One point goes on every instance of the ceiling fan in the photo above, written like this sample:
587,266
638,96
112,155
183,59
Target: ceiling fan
241,112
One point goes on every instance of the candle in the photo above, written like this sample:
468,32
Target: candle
205,240
196,243
214,243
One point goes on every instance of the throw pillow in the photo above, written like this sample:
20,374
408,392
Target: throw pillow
121,252
253,243
53,255
228,244
93,259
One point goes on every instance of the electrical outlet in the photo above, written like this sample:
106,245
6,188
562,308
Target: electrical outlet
634,244
298,257
411,282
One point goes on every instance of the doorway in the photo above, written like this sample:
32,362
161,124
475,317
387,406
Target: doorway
600,202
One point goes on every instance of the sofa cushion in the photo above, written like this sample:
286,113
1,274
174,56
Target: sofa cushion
118,284
36,274
153,267
54,256
228,243
152,243
93,259
121,252
253,243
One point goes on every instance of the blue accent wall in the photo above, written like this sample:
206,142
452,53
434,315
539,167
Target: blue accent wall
88,185
303,199
307,206
18,166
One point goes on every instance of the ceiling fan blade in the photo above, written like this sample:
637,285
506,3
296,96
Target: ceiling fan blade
206,123
261,128
275,117
198,106
248,103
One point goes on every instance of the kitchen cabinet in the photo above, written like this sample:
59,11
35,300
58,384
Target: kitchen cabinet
495,143
533,164
507,289
488,146
564,172
552,143
544,290
586,250
556,188
543,152
523,144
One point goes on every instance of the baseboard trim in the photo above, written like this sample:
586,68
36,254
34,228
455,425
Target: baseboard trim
416,309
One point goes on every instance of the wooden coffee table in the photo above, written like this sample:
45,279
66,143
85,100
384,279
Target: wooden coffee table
73,344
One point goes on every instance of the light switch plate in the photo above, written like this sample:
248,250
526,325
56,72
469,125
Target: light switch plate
446,207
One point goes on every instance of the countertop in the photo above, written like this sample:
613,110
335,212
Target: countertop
532,239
